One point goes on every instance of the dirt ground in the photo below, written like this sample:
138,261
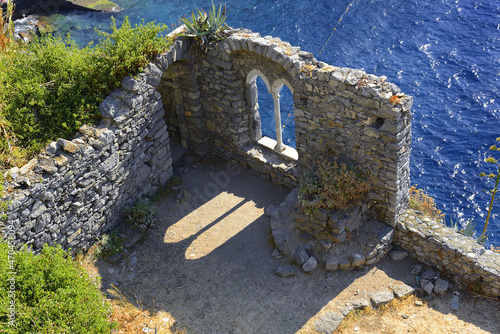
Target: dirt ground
208,264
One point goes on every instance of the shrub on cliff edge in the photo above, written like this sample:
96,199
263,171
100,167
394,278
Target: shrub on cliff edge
50,87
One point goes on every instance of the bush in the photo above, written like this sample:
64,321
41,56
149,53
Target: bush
50,87
420,201
109,245
332,186
53,294
141,215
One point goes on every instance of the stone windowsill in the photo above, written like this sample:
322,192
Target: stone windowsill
289,152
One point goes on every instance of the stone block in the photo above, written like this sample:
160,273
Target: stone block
300,256
331,264
382,298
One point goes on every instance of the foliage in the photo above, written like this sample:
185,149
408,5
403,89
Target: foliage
50,87
468,230
109,245
332,186
420,201
6,25
141,215
53,294
494,177
206,28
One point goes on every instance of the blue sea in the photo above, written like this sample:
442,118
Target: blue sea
446,54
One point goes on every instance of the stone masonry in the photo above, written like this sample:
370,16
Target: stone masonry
76,189
453,253
211,104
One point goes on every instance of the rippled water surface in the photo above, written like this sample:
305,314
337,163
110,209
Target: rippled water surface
444,53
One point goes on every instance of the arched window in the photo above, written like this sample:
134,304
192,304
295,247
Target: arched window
272,125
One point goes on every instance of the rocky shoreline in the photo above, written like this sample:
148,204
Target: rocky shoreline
25,8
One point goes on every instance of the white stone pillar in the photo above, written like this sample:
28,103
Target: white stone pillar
277,118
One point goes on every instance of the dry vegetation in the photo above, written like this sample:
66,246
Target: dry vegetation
406,315
133,319
420,201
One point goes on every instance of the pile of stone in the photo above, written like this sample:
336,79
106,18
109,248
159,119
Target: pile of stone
330,225
365,245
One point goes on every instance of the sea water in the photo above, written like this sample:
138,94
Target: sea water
443,53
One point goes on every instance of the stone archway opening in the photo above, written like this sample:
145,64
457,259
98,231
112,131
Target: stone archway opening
273,123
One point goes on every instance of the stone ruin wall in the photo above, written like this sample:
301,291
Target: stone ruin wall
211,105
76,189
79,187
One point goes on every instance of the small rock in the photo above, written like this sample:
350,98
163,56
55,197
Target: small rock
398,255
358,260
331,264
300,256
344,264
427,286
285,271
429,274
402,290
382,298
441,286
416,269
309,265
346,309
404,316
360,303
418,303
325,244
328,323
276,253
454,306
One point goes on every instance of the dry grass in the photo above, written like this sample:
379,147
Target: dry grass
133,319
420,201
405,315
130,318
307,70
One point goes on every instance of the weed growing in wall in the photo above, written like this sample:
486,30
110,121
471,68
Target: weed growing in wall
333,186
422,202
50,87
53,294
141,215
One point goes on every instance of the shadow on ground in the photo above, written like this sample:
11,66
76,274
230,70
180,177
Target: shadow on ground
208,261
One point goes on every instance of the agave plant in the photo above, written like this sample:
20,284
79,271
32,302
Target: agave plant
206,28
468,230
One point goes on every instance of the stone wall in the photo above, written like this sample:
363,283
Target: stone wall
211,102
76,189
211,106
449,251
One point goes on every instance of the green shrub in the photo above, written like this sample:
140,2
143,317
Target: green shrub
50,87
141,215
109,245
53,294
332,186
